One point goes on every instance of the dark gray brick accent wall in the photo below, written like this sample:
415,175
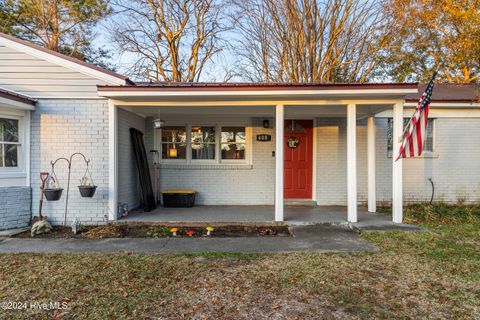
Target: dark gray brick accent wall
15,207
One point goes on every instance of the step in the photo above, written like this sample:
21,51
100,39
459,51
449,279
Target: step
300,203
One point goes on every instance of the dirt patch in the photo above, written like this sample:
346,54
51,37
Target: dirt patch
58,232
124,230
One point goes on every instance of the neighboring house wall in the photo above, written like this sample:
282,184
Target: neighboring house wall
60,128
128,186
38,78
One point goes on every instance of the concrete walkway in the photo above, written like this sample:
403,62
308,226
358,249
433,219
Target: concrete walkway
318,238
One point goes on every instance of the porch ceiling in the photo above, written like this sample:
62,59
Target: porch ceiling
291,111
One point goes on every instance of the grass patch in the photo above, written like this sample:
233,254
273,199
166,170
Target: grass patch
432,274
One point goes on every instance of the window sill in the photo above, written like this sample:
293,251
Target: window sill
12,175
223,166
427,155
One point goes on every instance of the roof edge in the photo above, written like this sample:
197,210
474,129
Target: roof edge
11,95
172,86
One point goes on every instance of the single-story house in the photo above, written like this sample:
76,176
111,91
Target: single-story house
235,143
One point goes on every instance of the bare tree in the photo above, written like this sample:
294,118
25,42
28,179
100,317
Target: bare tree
171,40
309,40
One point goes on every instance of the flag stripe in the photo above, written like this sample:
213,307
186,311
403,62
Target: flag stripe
416,131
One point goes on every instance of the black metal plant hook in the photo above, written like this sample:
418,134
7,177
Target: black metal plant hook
69,161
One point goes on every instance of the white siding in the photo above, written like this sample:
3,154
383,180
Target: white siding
38,78
128,186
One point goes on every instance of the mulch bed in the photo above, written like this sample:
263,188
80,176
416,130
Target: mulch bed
124,230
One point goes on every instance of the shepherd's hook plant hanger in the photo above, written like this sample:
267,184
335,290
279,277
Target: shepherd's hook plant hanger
69,161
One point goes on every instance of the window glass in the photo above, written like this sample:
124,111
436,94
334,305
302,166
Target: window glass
203,143
11,155
174,151
294,127
203,151
233,134
233,143
428,139
174,144
203,134
9,142
174,134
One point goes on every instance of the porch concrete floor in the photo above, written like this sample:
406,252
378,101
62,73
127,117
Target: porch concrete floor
336,215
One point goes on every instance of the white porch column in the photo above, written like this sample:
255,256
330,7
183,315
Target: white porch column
397,191
279,128
372,199
112,161
352,162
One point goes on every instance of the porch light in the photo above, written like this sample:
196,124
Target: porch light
172,153
157,123
266,124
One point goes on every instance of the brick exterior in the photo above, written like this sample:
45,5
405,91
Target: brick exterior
453,167
15,207
255,184
60,128
233,184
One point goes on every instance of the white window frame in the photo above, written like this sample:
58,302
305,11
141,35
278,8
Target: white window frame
426,153
218,145
20,170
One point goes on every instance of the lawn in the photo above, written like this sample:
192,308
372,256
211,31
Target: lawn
433,274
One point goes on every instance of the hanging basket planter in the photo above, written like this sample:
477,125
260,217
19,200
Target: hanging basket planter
87,187
87,191
53,194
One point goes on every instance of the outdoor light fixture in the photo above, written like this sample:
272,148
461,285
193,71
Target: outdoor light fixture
172,153
157,123
266,124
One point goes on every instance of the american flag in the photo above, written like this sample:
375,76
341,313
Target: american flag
415,131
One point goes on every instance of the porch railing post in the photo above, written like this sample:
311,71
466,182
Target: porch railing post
372,199
279,143
112,161
352,162
397,179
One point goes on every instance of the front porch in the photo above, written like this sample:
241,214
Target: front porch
200,126
294,215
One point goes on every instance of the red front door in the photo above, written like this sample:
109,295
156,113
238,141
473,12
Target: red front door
298,159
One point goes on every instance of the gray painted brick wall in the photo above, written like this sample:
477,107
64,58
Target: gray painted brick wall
15,205
454,168
231,185
128,185
60,128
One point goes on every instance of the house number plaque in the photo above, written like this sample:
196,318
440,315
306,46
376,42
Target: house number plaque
264,137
